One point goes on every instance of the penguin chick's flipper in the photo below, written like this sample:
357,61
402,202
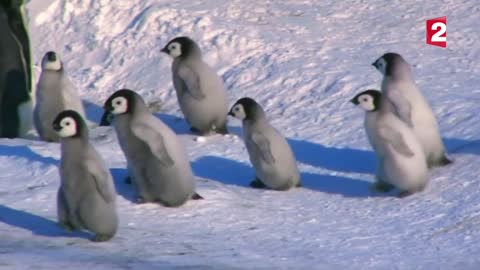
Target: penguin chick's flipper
191,83
257,184
97,172
402,106
101,237
262,146
196,196
395,139
155,142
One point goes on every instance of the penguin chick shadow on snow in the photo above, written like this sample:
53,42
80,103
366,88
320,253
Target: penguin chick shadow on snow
123,184
231,172
36,224
226,171
336,159
347,187
24,151
462,146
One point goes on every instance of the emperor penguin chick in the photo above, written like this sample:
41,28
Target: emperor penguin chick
86,197
401,161
55,93
410,106
157,162
200,91
269,152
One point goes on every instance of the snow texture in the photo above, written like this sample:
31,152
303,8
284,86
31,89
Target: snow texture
303,61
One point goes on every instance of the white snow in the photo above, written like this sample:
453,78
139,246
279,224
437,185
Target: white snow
303,61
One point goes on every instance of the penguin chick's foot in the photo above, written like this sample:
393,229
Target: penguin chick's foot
222,130
381,186
443,161
257,184
101,237
406,193
66,226
196,196
195,130
141,200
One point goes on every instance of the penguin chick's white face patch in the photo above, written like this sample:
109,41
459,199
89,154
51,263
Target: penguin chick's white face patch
175,49
239,112
382,65
68,127
51,65
366,102
119,105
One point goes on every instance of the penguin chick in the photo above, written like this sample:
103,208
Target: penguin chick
269,152
157,162
200,91
400,159
55,93
86,197
410,106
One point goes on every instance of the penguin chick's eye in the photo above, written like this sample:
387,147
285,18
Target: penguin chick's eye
68,129
119,105
239,112
175,49
381,65
366,102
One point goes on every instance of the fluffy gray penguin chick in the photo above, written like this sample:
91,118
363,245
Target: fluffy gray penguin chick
269,151
86,197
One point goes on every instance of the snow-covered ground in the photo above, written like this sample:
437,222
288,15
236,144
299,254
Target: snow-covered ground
303,61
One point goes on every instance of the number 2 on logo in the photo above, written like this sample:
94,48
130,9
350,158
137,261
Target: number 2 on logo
437,32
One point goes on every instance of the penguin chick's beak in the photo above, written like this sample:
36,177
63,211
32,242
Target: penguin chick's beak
164,50
374,64
230,113
56,126
354,101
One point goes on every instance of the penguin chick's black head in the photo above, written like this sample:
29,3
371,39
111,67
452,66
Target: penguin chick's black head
69,123
181,47
246,109
388,63
122,101
369,100
51,56
52,62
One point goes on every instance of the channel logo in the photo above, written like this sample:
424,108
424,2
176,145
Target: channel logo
437,32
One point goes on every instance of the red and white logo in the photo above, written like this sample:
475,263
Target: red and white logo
437,32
